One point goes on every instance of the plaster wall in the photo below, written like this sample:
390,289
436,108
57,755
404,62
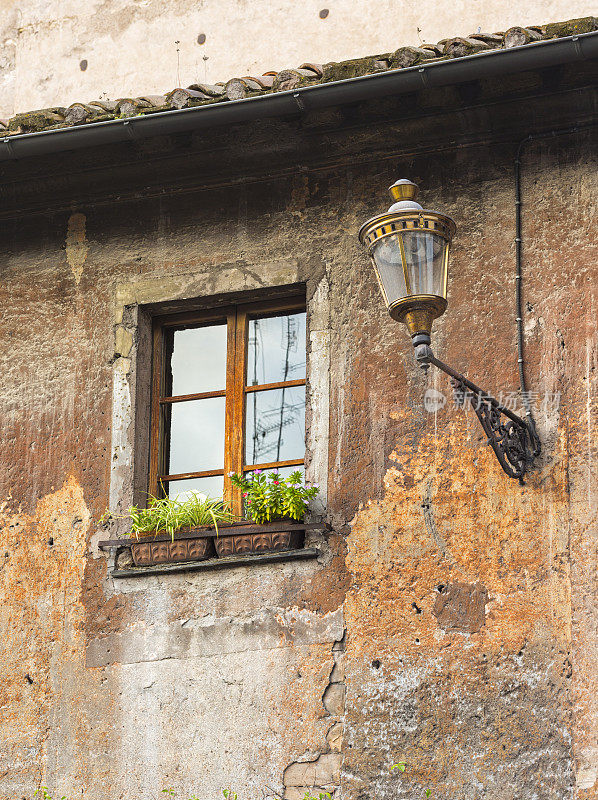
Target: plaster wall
58,52
450,619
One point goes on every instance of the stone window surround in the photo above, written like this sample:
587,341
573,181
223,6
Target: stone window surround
135,303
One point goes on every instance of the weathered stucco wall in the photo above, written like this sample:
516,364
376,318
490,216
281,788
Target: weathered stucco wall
60,52
450,619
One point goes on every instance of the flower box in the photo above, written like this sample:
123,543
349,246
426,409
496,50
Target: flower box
147,553
200,544
252,538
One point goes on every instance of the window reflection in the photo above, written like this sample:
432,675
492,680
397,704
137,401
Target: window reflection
276,349
275,425
182,490
197,360
196,436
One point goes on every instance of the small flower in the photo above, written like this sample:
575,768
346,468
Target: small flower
276,483
244,494
257,472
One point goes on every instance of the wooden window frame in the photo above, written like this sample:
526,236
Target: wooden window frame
237,319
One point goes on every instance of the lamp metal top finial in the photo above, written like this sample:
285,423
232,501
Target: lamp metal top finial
404,192
403,189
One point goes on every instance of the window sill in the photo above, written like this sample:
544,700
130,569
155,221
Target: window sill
228,562
208,548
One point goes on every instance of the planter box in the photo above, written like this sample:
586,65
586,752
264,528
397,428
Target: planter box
203,544
146,553
268,540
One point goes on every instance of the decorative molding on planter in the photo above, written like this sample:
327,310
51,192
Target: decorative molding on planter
261,542
196,549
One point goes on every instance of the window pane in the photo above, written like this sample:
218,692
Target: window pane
198,360
275,425
276,349
181,490
196,435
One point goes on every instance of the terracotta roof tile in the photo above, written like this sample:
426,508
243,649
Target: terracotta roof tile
182,98
408,56
315,68
217,90
459,47
516,36
307,74
493,39
80,112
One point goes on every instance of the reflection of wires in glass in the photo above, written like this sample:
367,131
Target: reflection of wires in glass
291,339
264,445
268,423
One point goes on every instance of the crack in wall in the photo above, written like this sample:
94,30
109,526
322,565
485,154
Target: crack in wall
429,520
322,774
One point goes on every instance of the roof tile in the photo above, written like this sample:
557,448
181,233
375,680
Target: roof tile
236,89
459,47
515,37
182,98
408,56
216,90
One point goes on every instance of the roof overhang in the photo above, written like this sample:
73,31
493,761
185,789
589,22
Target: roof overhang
533,56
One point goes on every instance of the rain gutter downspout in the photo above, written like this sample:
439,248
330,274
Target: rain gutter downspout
536,55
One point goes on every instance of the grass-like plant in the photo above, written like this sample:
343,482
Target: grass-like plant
270,497
167,515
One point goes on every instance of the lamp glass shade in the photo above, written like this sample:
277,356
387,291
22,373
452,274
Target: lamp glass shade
409,247
411,263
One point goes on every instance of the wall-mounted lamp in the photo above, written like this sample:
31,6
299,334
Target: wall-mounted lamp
409,247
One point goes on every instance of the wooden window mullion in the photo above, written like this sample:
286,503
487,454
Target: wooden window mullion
157,418
237,431
229,424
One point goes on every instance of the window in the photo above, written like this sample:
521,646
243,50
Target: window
228,395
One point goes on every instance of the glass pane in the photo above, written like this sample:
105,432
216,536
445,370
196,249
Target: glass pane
284,472
389,265
276,349
424,254
424,261
198,360
181,490
275,425
196,435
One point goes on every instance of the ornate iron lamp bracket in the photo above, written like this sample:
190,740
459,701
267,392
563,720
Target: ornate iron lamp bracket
514,441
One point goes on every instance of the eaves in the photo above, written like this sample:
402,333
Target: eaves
495,63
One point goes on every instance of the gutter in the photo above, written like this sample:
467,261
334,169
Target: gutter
535,55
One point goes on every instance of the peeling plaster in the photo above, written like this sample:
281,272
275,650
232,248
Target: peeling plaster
76,244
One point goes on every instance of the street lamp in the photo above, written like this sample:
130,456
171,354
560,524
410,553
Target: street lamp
409,247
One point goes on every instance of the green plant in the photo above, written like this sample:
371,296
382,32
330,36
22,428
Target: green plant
402,766
45,793
165,514
270,497
320,796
